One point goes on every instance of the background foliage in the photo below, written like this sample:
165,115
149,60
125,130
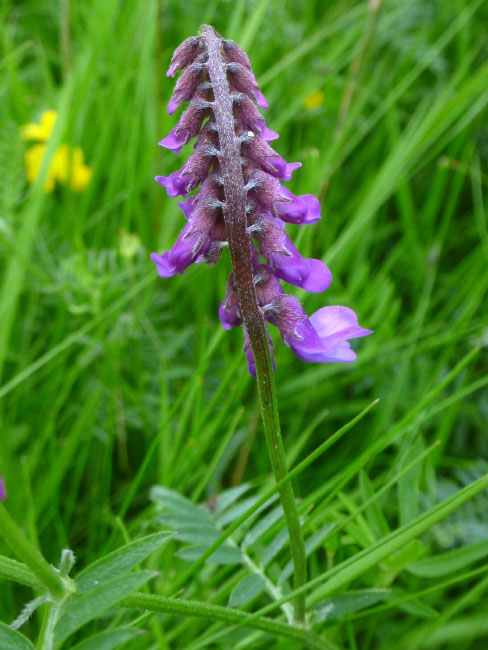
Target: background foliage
114,381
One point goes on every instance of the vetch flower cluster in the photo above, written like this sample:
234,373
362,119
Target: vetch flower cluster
241,203
3,490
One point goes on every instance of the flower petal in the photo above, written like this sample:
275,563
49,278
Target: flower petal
175,141
336,324
302,209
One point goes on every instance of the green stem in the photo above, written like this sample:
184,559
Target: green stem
274,442
12,570
235,217
181,607
21,546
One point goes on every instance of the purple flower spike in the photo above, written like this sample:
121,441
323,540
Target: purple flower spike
3,490
240,203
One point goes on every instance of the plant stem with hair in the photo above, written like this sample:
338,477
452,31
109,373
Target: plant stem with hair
240,252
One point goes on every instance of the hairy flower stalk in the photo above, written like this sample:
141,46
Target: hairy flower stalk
240,199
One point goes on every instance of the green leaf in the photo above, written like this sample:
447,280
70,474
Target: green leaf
197,535
374,514
237,510
183,522
179,505
275,546
445,563
262,526
13,640
339,606
353,567
83,608
412,550
108,640
417,607
119,562
230,496
223,555
245,590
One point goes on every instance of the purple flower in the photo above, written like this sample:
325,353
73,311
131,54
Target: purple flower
3,490
284,259
322,338
265,204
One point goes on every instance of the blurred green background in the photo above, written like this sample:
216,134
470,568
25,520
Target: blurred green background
113,379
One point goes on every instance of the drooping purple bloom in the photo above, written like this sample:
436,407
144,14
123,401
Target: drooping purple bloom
324,336
3,490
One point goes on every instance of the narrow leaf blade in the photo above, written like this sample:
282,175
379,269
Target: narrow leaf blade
85,607
119,562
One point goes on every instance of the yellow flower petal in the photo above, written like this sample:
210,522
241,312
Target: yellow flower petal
314,100
33,160
80,178
61,163
41,131
69,168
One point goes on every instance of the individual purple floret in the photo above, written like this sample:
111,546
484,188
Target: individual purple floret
265,204
3,490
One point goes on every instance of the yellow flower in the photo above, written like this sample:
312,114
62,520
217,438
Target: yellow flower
42,131
33,160
314,100
67,165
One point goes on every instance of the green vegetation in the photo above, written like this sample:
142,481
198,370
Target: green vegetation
127,412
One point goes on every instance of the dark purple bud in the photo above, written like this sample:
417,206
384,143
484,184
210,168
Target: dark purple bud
261,154
244,81
194,240
266,285
234,53
193,172
3,490
217,243
185,54
186,86
250,118
189,125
